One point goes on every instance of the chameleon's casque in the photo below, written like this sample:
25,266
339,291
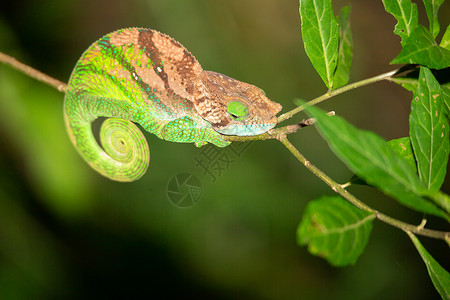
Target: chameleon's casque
143,76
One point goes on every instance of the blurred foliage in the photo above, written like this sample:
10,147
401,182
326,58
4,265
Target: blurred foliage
65,231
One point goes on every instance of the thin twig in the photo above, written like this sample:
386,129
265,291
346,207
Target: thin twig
271,134
352,199
33,73
338,91
274,133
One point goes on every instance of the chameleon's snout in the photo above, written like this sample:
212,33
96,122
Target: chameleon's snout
233,107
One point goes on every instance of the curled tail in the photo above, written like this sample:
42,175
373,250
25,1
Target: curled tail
104,83
125,155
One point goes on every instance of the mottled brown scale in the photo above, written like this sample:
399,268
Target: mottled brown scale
179,68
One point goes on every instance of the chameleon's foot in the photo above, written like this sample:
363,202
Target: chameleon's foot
200,144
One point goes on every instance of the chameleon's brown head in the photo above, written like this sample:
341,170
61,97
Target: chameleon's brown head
233,107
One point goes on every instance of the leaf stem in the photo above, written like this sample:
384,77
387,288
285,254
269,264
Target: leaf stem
355,201
338,91
33,73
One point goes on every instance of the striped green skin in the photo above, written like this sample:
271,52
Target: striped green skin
111,81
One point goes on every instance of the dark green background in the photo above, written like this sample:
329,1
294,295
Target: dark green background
67,232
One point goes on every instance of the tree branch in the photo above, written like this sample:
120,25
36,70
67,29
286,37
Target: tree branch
420,230
274,133
280,134
33,73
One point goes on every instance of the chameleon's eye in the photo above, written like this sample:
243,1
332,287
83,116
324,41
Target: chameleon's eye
237,110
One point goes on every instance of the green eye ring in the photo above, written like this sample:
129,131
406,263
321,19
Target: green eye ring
237,111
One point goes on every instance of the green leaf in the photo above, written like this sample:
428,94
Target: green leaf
432,7
406,14
335,230
402,147
320,35
299,102
445,42
439,276
345,53
370,157
429,131
421,48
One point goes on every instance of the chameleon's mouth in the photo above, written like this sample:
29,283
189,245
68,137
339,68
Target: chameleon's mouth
246,129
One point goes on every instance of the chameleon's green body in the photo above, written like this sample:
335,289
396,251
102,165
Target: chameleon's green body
147,78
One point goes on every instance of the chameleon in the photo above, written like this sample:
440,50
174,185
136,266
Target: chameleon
141,76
